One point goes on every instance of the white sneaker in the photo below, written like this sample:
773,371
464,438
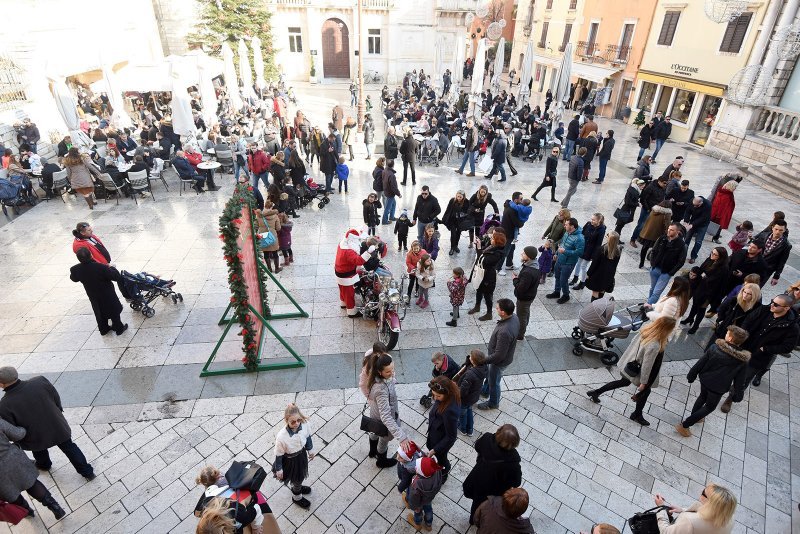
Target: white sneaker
501,272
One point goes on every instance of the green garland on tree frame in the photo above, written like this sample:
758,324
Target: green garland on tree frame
229,223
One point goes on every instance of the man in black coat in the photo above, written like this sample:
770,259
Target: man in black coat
426,209
662,132
674,166
48,169
698,217
746,261
645,138
391,192
669,255
500,352
526,285
573,131
511,225
328,159
36,406
408,151
776,252
604,155
97,280
498,154
681,197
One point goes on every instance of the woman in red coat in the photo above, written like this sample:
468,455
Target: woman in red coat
722,208
84,238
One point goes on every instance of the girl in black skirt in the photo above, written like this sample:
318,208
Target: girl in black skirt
293,450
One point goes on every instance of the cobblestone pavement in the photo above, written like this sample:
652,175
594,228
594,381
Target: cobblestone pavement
148,420
582,462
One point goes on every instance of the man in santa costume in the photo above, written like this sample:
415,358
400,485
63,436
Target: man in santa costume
348,258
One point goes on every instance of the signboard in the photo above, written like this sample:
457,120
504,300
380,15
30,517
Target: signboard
687,85
684,70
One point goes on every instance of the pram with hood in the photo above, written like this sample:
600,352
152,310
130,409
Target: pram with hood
141,289
15,192
313,191
598,327
430,151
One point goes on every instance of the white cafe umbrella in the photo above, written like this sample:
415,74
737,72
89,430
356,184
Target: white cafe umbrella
477,80
458,65
525,77
438,71
245,74
561,85
499,59
69,112
229,72
207,94
182,119
258,62
119,117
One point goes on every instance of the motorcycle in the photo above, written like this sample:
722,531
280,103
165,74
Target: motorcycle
382,300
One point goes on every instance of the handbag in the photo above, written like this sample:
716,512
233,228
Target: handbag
245,476
464,222
12,513
645,522
623,216
373,426
268,239
477,274
633,368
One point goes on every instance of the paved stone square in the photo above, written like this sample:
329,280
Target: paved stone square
147,421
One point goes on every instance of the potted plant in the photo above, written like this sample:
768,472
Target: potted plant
312,73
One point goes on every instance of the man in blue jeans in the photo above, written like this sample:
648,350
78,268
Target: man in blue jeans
698,216
498,156
669,255
572,246
662,133
604,155
573,131
470,146
500,353
391,191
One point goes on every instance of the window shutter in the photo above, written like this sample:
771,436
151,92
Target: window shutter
543,40
567,35
668,27
735,32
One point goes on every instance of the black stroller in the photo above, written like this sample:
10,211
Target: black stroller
598,327
141,289
312,192
15,192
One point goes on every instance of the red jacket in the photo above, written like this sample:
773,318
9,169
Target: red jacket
258,162
87,243
413,259
722,208
194,158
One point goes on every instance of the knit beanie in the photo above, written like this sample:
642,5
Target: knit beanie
531,252
413,449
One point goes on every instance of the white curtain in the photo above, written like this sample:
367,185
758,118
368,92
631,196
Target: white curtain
477,80
245,74
525,77
561,85
119,117
258,62
499,59
68,110
182,120
231,82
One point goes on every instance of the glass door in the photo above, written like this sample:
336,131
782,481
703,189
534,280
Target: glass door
706,120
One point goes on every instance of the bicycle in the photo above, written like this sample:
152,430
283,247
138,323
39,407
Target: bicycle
373,76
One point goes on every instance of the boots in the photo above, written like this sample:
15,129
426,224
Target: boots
579,286
475,309
53,506
23,503
277,267
726,406
424,303
452,323
573,281
383,461
637,416
486,317
90,201
373,448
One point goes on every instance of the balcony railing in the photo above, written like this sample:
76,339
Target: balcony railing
779,124
586,49
618,54
456,5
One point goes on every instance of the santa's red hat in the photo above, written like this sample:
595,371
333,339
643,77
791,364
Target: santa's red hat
352,232
413,448
427,466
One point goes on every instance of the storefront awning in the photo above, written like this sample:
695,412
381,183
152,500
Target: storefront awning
545,60
680,83
593,73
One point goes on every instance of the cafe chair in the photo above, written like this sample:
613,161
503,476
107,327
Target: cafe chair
110,187
186,180
455,149
60,184
225,158
139,183
157,173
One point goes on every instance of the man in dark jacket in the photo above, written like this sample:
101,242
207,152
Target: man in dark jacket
652,195
48,169
470,147
328,159
590,143
36,406
698,216
662,132
63,146
723,367
470,388
776,252
28,134
573,131
390,147
574,175
669,255
526,284
681,197
502,345
408,151
511,224
746,261
773,330
390,192
510,147
674,166
498,157
185,170
426,209
604,155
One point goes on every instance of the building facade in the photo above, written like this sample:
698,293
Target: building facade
688,63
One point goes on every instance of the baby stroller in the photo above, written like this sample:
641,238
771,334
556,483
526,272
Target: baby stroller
140,289
313,191
598,327
16,192
491,220
430,152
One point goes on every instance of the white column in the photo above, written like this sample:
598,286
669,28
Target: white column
765,79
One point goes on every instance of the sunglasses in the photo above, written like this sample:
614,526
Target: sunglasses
437,387
777,305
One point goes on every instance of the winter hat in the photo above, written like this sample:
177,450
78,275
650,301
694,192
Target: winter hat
413,449
427,466
531,252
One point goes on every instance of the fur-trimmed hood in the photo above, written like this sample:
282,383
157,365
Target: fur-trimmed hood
660,209
733,351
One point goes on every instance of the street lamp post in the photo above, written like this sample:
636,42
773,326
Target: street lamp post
360,69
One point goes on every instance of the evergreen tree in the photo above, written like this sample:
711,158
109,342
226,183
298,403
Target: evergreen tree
639,119
231,20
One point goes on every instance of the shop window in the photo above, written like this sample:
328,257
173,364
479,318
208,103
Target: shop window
374,42
295,40
663,100
735,33
646,96
668,28
706,120
682,106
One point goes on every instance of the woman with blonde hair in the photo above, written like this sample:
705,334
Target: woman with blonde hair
712,514
80,172
734,310
603,269
641,364
216,519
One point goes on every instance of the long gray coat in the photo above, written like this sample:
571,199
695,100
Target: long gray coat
383,405
36,406
645,354
19,472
